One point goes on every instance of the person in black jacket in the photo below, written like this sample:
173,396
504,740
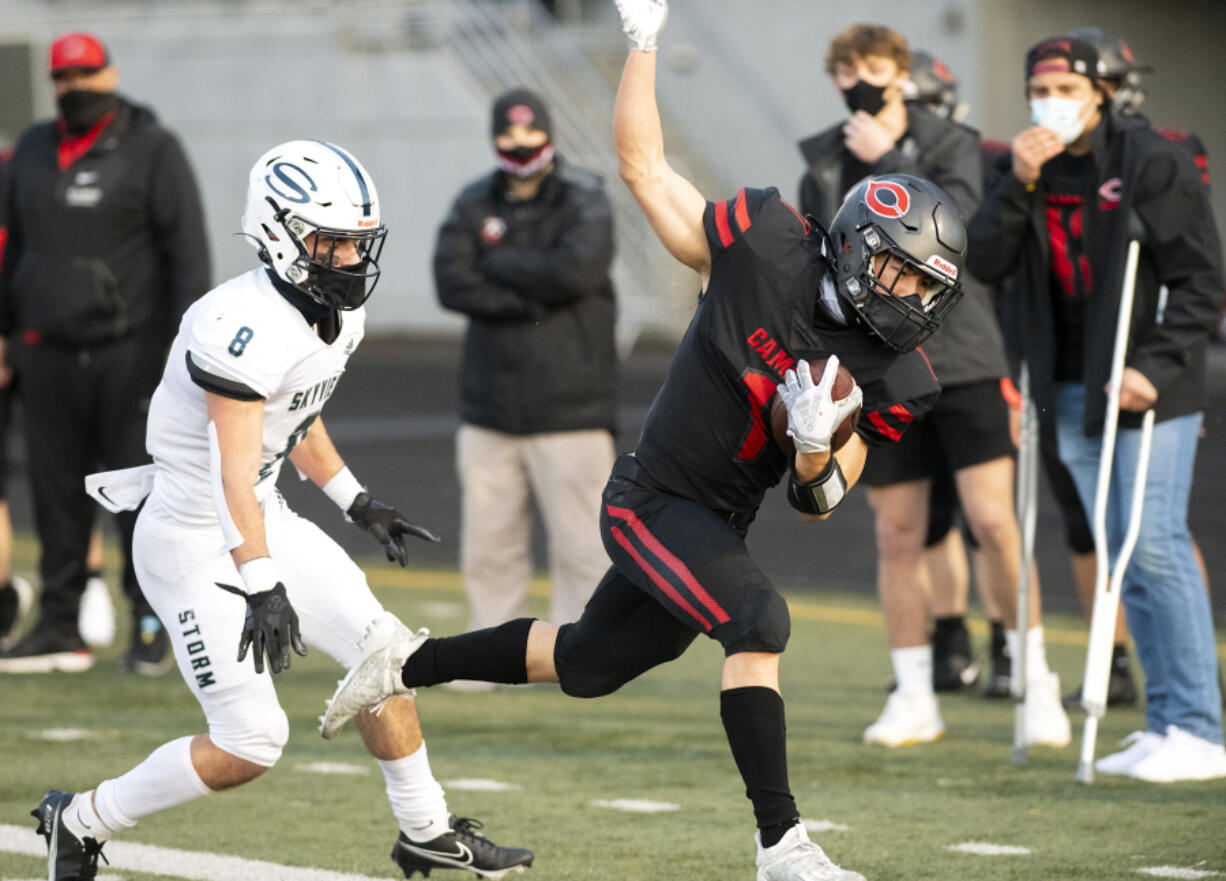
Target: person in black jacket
525,253
16,594
964,439
106,248
1081,183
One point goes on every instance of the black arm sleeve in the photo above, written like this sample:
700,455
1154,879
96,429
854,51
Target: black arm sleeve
996,232
576,265
1174,206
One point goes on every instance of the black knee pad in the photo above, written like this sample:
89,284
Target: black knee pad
761,624
594,667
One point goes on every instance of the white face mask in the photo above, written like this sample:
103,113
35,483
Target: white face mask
1061,115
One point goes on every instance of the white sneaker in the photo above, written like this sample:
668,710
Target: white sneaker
469,686
96,614
1138,745
1046,722
796,858
375,678
1182,756
908,717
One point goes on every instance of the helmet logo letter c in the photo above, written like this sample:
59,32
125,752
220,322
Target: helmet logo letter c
287,187
887,199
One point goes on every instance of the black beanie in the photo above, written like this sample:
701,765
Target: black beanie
519,107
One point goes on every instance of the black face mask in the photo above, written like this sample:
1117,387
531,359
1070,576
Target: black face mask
345,290
81,109
865,96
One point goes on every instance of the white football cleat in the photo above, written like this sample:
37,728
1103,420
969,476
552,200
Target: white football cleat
1181,756
96,614
908,717
1046,722
796,858
1137,745
375,678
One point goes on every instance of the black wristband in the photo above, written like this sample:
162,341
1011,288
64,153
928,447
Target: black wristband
822,494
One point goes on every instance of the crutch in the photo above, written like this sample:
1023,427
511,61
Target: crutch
1027,514
1108,582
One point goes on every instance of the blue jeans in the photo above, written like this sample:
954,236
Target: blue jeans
1168,608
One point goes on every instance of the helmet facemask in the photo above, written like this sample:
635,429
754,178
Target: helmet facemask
318,271
902,322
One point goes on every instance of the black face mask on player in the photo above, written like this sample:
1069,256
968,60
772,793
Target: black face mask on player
865,96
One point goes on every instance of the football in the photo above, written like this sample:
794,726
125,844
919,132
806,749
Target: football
843,384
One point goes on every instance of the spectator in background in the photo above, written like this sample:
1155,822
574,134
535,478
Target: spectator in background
525,254
106,249
1081,183
967,431
16,594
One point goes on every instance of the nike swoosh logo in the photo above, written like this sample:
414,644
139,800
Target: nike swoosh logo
463,856
102,492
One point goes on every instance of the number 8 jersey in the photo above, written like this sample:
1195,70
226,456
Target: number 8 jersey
245,341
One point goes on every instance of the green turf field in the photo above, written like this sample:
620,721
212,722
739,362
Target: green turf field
659,739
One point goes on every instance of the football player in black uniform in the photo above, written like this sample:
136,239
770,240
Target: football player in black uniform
777,291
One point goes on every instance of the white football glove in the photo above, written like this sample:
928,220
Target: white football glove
642,20
812,415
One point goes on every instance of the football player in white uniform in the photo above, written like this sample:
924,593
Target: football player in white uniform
220,555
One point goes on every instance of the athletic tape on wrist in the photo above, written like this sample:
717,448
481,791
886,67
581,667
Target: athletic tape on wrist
822,494
343,488
259,575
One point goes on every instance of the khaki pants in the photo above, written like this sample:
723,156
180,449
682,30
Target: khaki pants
500,475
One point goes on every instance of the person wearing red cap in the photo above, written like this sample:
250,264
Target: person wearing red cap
106,248
524,255
1078,186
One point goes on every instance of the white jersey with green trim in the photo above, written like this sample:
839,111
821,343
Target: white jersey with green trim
244,340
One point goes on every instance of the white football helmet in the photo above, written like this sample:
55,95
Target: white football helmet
307,201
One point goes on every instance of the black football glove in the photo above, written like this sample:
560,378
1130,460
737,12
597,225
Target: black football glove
387,525
271,625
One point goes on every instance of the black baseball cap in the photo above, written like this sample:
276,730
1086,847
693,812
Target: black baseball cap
519,107
1063,55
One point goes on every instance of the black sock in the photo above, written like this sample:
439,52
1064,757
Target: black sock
952,624
496,654
753,721
1119,658
93,573
998,639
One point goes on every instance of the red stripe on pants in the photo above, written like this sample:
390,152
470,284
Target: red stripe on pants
670,560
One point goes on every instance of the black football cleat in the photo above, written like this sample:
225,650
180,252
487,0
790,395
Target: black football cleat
953,665
1121,688
68,858
464,847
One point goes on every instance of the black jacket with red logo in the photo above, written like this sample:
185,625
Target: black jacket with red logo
1143,187
533,278
111,245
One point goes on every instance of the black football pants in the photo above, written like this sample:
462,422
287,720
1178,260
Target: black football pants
84,410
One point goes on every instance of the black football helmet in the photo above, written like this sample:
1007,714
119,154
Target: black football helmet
933,85
915,221
1119,67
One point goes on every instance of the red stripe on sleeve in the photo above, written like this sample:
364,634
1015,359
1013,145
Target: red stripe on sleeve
924,355
901,412
882,426
742,212
721,223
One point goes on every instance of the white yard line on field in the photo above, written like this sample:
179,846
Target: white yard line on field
1177,872
177,863
987,849
636,805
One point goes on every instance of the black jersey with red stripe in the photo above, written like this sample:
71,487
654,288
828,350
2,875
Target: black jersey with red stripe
707,434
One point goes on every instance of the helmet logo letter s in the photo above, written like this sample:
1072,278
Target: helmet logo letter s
887,199
287,187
